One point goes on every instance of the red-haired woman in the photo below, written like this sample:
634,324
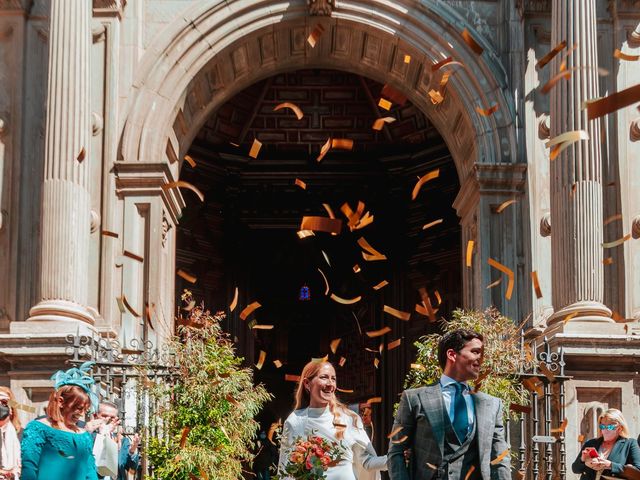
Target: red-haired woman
10,428
317,412
55,447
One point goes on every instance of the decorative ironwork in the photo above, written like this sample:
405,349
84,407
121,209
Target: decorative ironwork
124,374
542,451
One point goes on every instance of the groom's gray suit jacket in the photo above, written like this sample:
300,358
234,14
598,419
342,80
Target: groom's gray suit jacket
421,415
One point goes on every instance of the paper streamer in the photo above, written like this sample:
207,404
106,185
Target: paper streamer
506,271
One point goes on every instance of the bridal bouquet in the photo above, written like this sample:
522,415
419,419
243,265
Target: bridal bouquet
310,458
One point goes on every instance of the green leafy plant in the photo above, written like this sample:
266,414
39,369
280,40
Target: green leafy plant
502,355
207,422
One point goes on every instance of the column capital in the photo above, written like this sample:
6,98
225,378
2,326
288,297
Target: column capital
144,178
109,8
502,179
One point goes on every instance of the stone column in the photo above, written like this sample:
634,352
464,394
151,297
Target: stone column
65,198
576,174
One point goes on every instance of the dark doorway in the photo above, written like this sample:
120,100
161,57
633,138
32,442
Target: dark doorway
244,234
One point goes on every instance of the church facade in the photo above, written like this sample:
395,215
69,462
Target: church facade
101,101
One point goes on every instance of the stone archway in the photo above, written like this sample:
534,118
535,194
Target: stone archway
219,48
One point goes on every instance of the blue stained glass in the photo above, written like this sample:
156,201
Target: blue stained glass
305,294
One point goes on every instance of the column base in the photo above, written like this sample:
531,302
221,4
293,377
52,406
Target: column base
581,312
60,311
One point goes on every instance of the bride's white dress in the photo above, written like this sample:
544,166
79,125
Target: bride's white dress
356,443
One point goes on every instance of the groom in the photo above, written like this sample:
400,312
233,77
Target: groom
451,433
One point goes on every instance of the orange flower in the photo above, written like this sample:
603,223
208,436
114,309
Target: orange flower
296,457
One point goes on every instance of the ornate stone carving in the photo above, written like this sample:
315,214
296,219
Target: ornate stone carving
321,7
544,131
95,221
96,123
635,227
99,33
165,229
634,130
537,6
545,225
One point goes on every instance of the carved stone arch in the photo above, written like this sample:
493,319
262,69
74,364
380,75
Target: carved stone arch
219,48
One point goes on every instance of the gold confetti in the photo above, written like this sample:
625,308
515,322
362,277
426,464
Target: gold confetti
342,361
546,372
407,58
394,344
324,150
261,327
378,333
549,56
514,407
417,366
616,243
334,345
613,102
296,109
494,284
277,363
397,313
315,35
436,97
607,261
305,233
249,309
356,268
565,140
300,184
255,148
129,254
612,219
327,207
536,284
386,104
183,437
562,427
321,224
291,378
581,438
431,224
188,277
469,472
424,179
499,458
431,466
373,254
261,359
379,123
190,161
400,440
394,432
426,301
533,384
234,302
624,56
505,204
509,274
471,43
183,184
470,244
345,301
344,390
487,112
373,400
107,233
326,282
440,64
376,362
438,297
81,155
380,285
342,144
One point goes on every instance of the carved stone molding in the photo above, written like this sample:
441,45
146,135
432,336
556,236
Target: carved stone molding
96,123
99,33
635,227
634,130
95,221
109,7
165,229
321,7
545,225
537,6
21,5
544,130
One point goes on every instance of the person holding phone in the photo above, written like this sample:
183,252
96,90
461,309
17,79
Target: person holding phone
610,451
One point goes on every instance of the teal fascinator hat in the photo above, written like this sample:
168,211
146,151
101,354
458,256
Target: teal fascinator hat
80,377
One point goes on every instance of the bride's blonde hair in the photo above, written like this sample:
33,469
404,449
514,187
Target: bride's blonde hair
303,398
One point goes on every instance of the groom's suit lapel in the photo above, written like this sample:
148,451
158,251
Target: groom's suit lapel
433,406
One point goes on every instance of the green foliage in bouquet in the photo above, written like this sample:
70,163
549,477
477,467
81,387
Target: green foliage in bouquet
207,422
502,355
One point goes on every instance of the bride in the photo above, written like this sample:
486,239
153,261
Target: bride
317,411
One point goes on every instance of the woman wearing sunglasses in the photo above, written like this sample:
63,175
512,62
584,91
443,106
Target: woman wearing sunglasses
611,451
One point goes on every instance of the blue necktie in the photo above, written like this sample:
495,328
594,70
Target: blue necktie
460,415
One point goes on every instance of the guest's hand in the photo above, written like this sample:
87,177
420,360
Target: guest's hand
92,425
135,441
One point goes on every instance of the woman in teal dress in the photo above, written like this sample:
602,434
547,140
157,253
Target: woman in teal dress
54,447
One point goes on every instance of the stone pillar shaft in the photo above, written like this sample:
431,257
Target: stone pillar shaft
576,174
65,196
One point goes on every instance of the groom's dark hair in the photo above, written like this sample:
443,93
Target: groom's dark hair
455,341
